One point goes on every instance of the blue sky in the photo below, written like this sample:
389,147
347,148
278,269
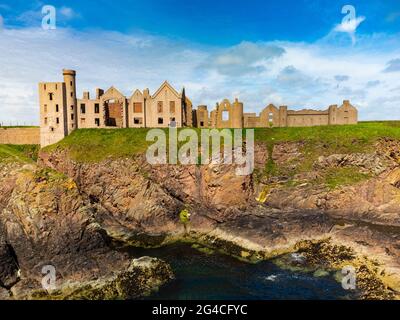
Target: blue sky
290,52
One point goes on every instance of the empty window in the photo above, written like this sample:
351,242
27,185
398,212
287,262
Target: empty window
56,87
45,87
72,108
51,96
160,120
225,115
72,94
97,122
159,106
270,117
83,108
83,121
172,106
72,116
137,107
52,129
70,83
96,108
57,108
58,120
137,120
201,123
45,120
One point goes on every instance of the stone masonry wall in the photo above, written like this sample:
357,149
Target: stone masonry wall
19,135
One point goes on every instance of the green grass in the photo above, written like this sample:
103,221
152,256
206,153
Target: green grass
324,141
94,145
18,153
341,139
336,177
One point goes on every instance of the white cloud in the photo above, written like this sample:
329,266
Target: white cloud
68,13
244,58
285,73
393,66
350,26
341,78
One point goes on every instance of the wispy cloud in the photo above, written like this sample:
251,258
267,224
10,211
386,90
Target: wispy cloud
245,58
342,78
292,73
373,83
5,7
33,17
393,16
393,66
68,13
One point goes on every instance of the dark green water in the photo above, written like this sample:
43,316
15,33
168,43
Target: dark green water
216,276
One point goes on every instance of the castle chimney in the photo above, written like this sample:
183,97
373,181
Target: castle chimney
99,93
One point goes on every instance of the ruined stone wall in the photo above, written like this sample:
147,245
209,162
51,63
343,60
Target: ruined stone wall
90,114
227,115
19,135
307,118
202,117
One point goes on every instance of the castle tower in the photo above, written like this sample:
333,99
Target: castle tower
53,121
332,110
282,116
71,102
237,115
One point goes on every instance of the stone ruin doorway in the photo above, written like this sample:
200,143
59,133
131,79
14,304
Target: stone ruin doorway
113,111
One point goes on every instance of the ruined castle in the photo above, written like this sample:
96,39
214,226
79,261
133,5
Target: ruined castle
61,111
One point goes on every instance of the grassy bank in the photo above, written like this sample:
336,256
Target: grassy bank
18,153
98,144
324,141
94,145
338,139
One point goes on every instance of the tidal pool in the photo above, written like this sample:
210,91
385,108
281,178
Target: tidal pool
220,277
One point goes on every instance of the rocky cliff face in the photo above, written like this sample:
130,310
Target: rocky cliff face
45,221
65,213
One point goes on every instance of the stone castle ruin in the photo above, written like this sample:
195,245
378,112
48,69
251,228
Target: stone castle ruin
61,111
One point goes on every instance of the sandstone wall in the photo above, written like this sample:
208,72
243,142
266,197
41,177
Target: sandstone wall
19,136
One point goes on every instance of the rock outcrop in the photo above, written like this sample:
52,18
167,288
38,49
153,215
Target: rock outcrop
141,277
46,222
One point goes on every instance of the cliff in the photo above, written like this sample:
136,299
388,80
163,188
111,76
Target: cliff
331,196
